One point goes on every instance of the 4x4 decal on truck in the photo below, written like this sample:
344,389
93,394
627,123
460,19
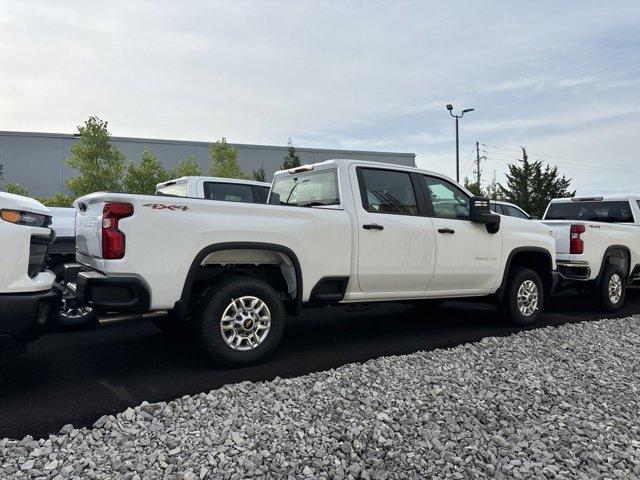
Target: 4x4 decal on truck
162,206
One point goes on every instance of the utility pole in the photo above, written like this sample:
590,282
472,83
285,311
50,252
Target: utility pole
457,117
478,171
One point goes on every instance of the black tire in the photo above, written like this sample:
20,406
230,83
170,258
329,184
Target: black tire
518,277
606,298
170,323
209,317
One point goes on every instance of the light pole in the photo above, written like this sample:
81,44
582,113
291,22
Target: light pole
450,108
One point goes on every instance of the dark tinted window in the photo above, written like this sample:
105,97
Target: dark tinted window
264,193
611,212
387,191
497,208
448,200
228,192
515,212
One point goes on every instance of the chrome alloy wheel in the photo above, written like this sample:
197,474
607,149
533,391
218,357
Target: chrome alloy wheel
245,323
615,288
527,298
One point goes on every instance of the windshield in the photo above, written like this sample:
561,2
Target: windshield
311,189
608,212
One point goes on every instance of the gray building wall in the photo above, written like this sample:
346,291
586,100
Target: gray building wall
37,160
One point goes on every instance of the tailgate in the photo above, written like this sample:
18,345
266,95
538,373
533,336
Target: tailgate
89,227
561,231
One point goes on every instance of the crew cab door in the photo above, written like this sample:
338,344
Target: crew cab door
396,244
467,255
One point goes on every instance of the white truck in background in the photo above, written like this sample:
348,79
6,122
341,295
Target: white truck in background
597,244
28,300
341,231
216,188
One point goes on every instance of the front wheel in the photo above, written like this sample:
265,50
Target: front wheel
612,289
524,297
240,322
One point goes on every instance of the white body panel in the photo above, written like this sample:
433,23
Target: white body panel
597,238
63,221
15,246
400,262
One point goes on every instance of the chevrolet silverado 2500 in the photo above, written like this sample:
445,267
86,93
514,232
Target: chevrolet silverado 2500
597,244
28,301
340,231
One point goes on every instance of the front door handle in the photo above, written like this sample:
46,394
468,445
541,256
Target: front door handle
372,226
446,230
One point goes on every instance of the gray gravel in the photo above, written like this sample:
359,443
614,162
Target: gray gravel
548,403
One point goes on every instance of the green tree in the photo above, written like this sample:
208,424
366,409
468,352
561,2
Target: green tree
473,187
143,177
16,189
259,175
186,167
531,186
101,166
292,159
57,200
224,161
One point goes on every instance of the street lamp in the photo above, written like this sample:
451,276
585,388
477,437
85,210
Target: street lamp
450,108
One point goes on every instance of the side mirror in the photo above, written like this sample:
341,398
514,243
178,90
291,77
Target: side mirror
480,212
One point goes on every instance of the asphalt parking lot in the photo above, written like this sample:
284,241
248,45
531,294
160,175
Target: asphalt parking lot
78,377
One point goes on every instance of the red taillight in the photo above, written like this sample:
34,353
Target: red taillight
113,240
576,244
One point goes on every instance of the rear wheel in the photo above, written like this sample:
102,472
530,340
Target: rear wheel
240,322
612,288
524,297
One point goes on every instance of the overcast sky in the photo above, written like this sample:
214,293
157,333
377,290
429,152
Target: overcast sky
561,78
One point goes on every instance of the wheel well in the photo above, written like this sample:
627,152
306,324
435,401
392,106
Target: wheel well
537,260
279,269
617,256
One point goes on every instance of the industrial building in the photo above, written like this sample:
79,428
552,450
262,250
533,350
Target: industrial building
37,160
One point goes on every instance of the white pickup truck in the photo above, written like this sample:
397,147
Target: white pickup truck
28,301
597,244
340,231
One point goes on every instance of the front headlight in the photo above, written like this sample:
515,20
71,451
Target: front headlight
25,218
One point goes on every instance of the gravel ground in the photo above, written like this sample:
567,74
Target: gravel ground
548,403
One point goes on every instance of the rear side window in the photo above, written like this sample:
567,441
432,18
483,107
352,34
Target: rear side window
228,192
497,208
515,212
608,212
309,189
387,191
264,193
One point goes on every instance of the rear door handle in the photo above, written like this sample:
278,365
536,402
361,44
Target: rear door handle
372,226
446,230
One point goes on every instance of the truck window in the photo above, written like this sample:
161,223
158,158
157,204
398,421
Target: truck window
515,212
448,200
264,193
387,191
608,212
309,189
173,190
228,192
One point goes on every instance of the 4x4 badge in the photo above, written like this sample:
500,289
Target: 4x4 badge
162,206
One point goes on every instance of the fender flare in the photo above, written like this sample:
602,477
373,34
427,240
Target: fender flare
507,266
607,252
181,305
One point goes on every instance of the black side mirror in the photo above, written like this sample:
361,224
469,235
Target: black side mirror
480,212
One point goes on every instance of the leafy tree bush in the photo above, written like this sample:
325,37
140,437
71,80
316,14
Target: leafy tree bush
57,200
531,186
187,167
224,161
143,177
101,166
473,187
292,159
259,175
16,189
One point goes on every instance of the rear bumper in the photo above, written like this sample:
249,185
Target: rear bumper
26,316
104,293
